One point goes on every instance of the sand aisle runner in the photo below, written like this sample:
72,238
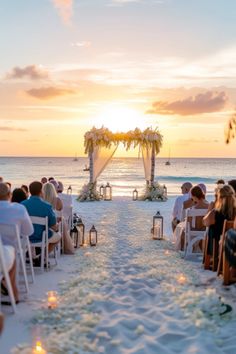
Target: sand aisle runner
131,294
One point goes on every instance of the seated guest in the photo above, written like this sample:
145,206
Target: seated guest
50,195
178,206
54,182
18,195
65,198
36,206
13,213
199,202
189,203
230,248
10,262
51,179
1,179
220,183
25,189
225,209
44,180
232,183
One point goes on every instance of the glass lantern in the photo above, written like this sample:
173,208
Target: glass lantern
93,236
81,231
135,194
74,234
165,191
69,190
158,226
101,191
108,192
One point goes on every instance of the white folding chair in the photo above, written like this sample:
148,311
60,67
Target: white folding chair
60,246
11,236
192,235
4,274
25,242
43,244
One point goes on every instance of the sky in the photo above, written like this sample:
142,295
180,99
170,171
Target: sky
69,65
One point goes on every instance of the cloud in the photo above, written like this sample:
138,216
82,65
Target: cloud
13,129
201,103
31,71
65,9
85,44
46,93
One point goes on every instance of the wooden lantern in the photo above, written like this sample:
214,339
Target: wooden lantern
74,234
158,226
93,236
69,190
165,191
108,192
135,194
81,231
101,191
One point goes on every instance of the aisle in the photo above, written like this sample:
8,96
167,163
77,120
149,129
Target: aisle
131,294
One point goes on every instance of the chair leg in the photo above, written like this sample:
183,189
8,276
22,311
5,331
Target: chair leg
10,291
30,260
215,255
22,261
226,271
220,261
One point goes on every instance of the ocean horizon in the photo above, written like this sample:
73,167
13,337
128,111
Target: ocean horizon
124,173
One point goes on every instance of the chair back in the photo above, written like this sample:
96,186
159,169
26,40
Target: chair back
228,224
10,235
193,215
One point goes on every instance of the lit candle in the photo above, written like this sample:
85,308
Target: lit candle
52,299
156,232
181,279
39,349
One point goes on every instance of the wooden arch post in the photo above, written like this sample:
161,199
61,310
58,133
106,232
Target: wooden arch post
153,161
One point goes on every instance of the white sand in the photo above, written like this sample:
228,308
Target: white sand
123,296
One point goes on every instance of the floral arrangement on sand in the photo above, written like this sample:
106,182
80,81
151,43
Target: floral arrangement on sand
89,193
154,192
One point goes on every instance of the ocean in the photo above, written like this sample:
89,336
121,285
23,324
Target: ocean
124,174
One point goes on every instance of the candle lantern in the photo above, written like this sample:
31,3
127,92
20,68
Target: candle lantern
69,190
108,192
93,236
101,191
135,194
38,349
52,299
158,226
81,230
74,234
164,191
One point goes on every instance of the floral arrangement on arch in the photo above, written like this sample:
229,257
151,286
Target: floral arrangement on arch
154,192
105,138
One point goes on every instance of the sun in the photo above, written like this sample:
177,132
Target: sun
120,119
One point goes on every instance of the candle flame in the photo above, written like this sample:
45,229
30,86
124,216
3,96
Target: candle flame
182,279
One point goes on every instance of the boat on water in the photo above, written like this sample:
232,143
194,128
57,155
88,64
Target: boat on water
75,158
86,168
167,163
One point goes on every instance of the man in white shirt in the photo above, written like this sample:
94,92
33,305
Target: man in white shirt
178,206
13,213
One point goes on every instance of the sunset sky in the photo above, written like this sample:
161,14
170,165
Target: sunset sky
68,65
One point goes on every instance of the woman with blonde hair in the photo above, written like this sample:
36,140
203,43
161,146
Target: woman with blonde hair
225,209
50,196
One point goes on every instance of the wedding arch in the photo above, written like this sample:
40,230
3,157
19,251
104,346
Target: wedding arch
101,144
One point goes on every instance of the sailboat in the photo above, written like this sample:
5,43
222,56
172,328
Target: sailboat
167,163
86,168
75,158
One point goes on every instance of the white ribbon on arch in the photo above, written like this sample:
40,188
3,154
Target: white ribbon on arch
101,157
147,161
